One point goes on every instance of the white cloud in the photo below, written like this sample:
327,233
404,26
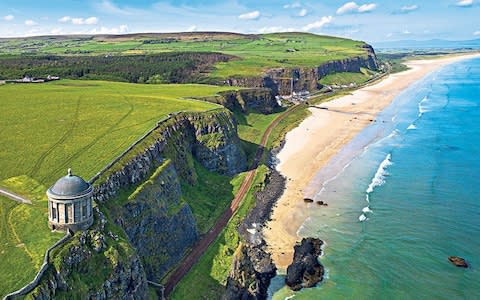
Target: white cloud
352,7
302,13
464,3
64,19
87,21
114,30
318,24
253,15
389,34
272,29
476,33
30,23
8,18
367,7
192,28
408,8
293,5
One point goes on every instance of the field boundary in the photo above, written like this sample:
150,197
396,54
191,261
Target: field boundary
46,263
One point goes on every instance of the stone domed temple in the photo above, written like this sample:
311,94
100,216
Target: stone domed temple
70,203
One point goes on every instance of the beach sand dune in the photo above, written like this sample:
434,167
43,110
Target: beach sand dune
319,137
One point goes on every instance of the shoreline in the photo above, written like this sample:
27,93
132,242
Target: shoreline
319,137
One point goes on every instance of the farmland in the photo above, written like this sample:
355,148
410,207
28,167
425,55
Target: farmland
253,54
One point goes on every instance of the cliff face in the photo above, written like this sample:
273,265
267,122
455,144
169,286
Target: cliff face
253,267
252,270
306,78
95,264
158,223
209,137
260,99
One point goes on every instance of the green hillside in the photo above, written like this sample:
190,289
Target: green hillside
252,54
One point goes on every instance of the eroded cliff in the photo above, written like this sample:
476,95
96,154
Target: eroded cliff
143,193
279,80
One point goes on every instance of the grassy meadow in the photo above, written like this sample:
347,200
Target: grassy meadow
254,53
48,128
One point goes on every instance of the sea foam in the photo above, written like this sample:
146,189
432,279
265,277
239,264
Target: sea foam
421,106
411,127
379,178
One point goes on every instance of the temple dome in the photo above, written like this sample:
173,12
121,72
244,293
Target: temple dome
69,186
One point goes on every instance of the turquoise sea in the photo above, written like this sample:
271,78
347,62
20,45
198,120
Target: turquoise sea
403,196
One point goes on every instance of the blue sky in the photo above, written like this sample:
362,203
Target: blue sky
373,20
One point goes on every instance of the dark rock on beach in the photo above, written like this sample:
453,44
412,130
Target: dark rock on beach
251,273
305,270
458,261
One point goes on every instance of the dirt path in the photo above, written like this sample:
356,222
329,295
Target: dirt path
202,245
14,197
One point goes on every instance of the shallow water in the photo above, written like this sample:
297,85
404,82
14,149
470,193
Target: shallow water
403,196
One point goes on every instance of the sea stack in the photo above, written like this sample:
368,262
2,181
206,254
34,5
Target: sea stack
305,270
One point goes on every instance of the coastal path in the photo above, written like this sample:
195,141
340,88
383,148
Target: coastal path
202,245
14,197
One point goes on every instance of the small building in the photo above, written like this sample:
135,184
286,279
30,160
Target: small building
70,203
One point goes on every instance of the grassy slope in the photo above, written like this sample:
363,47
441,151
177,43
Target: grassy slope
83,125
24,234
50,127
346,78
256,53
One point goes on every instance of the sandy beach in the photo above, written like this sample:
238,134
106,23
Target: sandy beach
319,137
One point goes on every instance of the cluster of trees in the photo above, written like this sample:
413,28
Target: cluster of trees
181,67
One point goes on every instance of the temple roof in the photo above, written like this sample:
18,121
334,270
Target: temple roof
69,185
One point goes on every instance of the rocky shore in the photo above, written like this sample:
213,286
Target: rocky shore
253,267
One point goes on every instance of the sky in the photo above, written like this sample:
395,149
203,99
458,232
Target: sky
372,20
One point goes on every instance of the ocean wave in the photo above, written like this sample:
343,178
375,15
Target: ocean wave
411,127
362,218
367,209
421,106
379,178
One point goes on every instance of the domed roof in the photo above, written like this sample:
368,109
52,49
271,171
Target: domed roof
70,185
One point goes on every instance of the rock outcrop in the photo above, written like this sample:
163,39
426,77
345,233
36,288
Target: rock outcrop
305,270
253,267
210,137
160,226
458,261
305,78
95,264
251,273
158,223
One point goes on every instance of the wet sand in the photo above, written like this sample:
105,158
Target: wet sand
319,137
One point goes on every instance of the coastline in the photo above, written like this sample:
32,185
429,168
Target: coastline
318,138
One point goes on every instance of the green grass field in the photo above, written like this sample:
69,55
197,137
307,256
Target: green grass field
47,128
81,124
24,235
255,53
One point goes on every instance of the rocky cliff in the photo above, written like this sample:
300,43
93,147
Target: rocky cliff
253,267
142,191
306,78
252,270
94,264
158,223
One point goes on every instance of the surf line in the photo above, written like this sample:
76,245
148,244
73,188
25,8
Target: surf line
377,180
